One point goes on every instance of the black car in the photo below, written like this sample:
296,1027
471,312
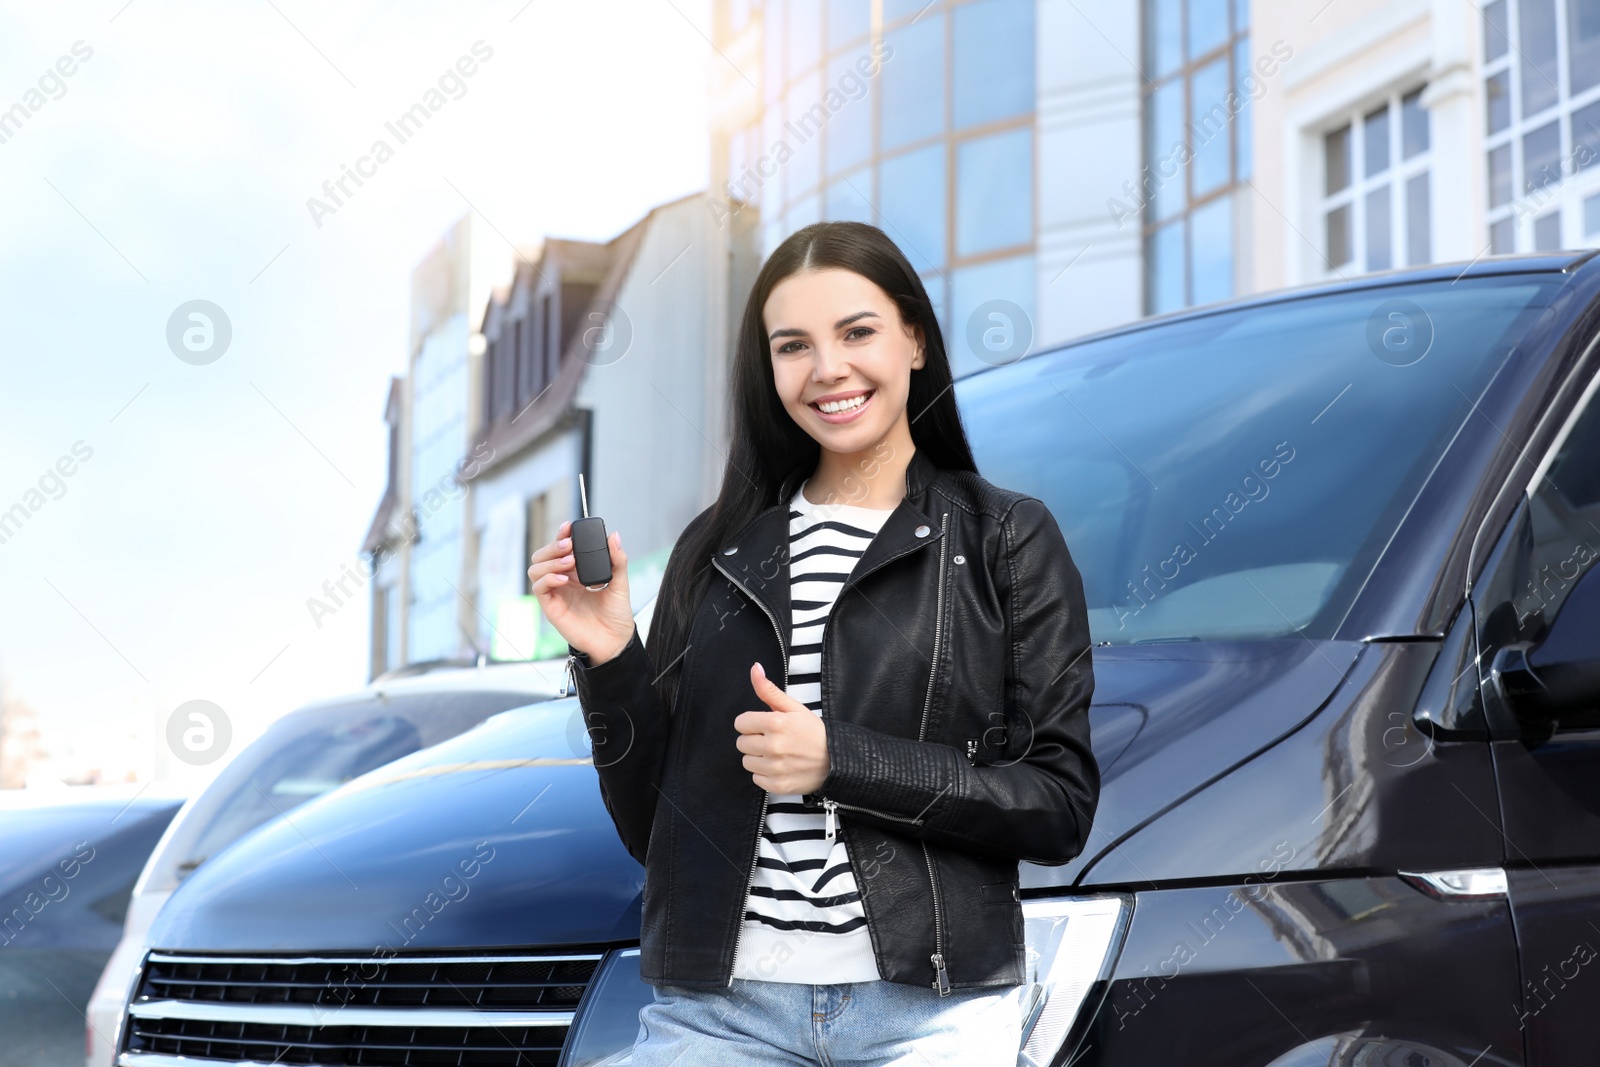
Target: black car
68,861
1337,544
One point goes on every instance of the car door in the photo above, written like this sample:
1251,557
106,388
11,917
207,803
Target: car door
1548,773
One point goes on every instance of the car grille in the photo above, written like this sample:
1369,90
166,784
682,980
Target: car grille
390,1010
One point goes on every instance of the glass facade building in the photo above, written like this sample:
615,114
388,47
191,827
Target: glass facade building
1196,119
917,117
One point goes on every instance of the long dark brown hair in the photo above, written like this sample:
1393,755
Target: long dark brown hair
767,445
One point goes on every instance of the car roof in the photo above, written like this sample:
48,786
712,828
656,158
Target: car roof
539,679
1483,266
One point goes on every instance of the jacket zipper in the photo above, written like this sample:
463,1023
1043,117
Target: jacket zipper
829,806
941,977
941,980
938,620
570,685
755,853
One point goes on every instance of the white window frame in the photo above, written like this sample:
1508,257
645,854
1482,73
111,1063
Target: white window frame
1308,119
1568,192
1396,175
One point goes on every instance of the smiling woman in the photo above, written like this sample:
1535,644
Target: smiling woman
853,520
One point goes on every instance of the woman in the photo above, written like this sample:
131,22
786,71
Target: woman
865,699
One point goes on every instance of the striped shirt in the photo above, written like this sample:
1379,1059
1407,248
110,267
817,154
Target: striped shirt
803,920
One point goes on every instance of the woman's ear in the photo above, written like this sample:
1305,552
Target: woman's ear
920,359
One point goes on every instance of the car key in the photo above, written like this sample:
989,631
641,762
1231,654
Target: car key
590,552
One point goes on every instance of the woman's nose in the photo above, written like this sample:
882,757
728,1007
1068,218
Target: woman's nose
828,365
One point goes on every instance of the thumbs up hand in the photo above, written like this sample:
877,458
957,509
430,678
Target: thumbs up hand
786,746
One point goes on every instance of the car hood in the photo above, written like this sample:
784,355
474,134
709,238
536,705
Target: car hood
1168,718
500,837
497,836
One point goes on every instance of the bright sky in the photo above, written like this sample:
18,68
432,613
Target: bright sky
174,164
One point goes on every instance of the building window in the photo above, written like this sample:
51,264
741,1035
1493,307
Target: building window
1196,136
380,635
519,345
537,531
1377,202
548,350
1542,121
502,373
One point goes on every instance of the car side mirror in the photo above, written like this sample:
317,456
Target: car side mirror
1560,676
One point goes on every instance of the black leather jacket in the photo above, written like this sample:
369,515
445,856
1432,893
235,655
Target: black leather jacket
956,680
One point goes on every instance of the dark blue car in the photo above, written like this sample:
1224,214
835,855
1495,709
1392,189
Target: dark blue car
1338,546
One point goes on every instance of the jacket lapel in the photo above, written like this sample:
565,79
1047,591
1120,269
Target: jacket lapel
757,559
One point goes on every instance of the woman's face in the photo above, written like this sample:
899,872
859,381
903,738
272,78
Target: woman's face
833,335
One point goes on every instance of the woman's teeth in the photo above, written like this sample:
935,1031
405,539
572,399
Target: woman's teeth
833,407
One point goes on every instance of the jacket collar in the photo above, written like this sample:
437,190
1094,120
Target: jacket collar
757,558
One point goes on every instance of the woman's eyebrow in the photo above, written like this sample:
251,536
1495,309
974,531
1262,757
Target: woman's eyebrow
792,331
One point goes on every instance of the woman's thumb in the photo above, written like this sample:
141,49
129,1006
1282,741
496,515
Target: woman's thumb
766,689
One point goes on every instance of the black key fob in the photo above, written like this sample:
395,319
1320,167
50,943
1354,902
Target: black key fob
590,552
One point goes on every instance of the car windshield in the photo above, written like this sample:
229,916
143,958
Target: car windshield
1237,475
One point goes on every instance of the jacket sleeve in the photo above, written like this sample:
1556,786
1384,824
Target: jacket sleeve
1037,806
628,727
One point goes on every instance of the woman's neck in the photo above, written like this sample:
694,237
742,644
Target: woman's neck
875,477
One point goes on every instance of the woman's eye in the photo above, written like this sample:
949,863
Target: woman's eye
788,349
864,331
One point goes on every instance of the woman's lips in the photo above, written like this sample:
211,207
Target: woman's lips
845,416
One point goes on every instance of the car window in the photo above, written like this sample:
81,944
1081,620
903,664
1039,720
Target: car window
306,764
310,752
1237,475
1564,510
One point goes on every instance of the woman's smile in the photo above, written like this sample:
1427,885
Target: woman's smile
843,407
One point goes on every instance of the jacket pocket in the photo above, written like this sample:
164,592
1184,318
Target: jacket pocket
999,892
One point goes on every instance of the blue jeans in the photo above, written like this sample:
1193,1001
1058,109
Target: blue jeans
848,1024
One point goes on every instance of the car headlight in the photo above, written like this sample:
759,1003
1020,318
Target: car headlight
1072,947
607,1019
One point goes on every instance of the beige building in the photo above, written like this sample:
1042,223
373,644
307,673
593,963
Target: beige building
1378,157
608,359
